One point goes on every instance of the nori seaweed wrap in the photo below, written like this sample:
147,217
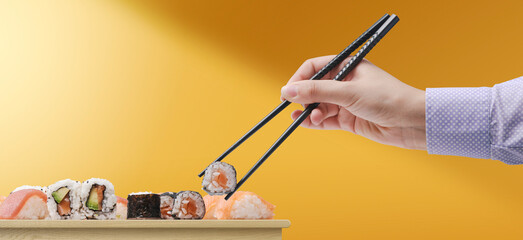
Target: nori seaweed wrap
143,206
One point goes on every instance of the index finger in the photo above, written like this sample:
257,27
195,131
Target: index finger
309,68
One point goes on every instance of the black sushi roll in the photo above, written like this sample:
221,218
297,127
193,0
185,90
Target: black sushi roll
143,206
188,205
219,179
166,204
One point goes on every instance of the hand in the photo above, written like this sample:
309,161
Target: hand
368,102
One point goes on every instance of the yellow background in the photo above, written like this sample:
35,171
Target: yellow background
145,94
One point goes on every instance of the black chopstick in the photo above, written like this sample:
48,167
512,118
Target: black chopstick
353,62
327,68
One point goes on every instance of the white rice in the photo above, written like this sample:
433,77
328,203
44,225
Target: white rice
33,209
211,186
43,189
140,193
108,203
121,211
250,207
74,196
181,198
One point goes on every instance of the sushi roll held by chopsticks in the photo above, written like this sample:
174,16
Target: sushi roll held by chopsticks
219,179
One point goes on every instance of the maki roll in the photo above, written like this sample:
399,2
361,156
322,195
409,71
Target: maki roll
166,204
63,200
219,179
97,199
143,205
188,205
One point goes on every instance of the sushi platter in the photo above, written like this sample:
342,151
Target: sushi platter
70,209
142,229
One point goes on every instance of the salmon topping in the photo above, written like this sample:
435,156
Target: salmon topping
190,207
16,201
64,207
221,179
165,211
100,191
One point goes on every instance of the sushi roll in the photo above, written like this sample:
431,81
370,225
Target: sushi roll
143,205
63,200
242,205
25,204
219,179
166,204
188,205
98,199
121,208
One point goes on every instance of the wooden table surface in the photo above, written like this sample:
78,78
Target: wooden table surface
143,229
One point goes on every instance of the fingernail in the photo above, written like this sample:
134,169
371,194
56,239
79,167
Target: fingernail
290,91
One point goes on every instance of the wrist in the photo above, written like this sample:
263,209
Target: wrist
415,127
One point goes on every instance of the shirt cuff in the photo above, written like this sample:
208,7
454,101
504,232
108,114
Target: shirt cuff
457,121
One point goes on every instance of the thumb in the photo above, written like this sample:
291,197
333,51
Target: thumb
323,91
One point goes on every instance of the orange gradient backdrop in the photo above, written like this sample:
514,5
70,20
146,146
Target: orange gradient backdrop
145,94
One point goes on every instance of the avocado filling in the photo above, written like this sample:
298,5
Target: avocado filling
59,194
61,197
96,197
